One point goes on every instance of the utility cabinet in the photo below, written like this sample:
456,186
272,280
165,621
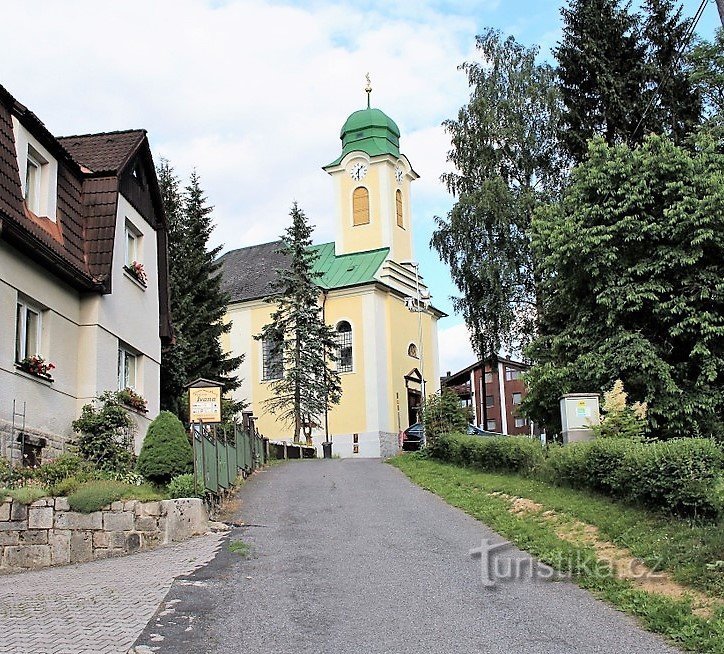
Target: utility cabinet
579,412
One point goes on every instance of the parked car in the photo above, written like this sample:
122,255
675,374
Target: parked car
473,430
413,438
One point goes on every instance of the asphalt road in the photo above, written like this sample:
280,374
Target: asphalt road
350,556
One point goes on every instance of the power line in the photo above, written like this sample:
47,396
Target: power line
675,61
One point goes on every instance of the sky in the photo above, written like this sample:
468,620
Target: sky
253,93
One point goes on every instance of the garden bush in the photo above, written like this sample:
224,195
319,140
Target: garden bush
166,451
183,486
65,466
684,476
681,476
494,454
94,495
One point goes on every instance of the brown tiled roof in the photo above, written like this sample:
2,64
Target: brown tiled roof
103,153
78,245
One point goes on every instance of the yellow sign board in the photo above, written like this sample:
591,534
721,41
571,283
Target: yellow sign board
205,404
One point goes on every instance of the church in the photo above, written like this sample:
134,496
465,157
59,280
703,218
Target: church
371,293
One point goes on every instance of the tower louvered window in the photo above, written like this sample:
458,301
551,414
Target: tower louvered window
360,206
398,202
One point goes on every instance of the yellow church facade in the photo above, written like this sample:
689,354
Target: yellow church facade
371,293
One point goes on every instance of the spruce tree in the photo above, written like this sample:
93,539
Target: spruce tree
308,385
198,304
601,71
623,75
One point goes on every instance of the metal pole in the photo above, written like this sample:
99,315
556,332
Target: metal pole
419,330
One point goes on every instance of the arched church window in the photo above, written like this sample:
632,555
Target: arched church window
398,201
272,357
360,206
412,350
344,346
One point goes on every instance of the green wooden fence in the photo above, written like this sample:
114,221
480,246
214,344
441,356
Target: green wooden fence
221,454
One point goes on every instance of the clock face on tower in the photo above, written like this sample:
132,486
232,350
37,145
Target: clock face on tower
398,174
358,171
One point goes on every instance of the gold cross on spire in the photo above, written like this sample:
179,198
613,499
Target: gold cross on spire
368,89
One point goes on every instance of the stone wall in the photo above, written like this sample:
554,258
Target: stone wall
48,533
389,444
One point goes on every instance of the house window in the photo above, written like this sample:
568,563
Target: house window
517,398
488,377
32,181
412,351
489,401
512,374
272,359
491,425
127,364
27,330
360,206
344,347
398,203
133,245
521,422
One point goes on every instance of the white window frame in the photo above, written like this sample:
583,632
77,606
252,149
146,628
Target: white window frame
494,427
520,398
487,377
132,234
32,195
21,328
523,421
511,374
126,371
345,339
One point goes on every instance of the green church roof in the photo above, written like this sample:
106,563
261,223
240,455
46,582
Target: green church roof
371,131
351,269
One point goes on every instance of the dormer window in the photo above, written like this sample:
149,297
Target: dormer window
38,172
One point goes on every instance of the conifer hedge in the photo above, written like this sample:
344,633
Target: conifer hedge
166,450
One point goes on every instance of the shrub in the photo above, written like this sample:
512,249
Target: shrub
28,494
166,450
105,430
619,420
64,487
183,486
681,476
443,414
494,454
65,466
94,495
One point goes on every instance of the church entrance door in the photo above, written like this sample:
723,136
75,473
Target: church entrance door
414,402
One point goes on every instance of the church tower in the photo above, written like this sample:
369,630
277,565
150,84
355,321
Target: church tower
372,186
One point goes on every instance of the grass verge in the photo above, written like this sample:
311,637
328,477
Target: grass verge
687,550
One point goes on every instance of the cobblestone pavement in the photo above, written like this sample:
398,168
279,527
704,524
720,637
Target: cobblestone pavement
99,607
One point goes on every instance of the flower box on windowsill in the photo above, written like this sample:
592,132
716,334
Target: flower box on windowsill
37,367
132,400
136,272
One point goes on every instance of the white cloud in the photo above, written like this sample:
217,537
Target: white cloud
456,352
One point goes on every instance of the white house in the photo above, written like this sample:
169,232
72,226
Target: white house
78,215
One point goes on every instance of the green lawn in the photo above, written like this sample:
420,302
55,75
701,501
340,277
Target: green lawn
689,551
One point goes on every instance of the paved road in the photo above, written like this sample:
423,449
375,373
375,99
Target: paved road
349,556
93,608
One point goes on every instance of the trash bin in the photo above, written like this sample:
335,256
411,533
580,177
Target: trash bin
327,447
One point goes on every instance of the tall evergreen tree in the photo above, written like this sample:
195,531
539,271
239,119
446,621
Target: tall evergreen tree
706,61
507,160
307,386
673,103
198,304
622,74
601,74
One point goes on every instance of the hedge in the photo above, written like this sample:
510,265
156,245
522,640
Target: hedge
496,454
683,476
